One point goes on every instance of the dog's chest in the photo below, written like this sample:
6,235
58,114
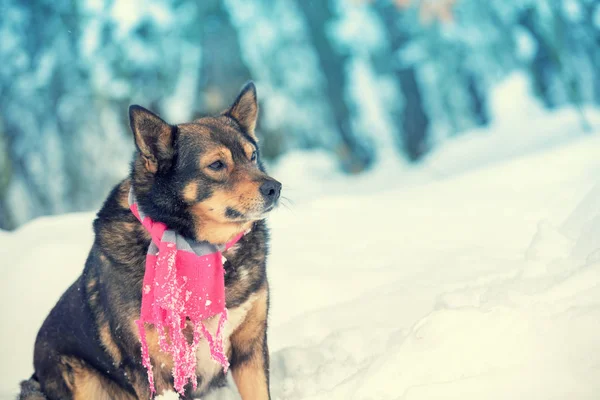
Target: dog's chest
206,367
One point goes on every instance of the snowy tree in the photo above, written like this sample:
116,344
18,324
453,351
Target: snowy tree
364,80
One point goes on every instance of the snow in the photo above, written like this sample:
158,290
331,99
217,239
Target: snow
472,276
129,14
572,10
292,83
596,16
179,105
526,45
356,28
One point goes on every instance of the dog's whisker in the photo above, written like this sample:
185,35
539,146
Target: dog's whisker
283,203
286,207
287,199
287,202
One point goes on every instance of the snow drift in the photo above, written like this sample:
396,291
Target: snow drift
479,285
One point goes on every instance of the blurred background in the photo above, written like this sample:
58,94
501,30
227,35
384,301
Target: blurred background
359,81
439,161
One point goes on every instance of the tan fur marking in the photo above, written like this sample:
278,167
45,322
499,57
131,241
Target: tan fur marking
251,381
150,164
129,227
248,149
220,233
250,376
85,383
219,153
248,189
91,290
109,344
254,325
91,284
211,224
89,385
93,298
124,193
190,192
162,363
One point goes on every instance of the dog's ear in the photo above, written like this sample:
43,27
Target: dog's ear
154,138
245,109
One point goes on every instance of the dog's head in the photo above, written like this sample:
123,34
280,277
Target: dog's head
203,178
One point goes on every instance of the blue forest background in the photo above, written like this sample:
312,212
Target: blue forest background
352,78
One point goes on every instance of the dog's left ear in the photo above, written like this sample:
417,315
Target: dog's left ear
154,138
245,109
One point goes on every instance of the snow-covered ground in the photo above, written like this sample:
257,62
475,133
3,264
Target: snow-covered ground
473,276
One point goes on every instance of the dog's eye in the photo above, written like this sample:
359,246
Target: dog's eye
217,165
253,156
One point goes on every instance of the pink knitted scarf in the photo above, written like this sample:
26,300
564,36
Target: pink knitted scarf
184,279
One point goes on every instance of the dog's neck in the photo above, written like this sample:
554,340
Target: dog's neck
218,232
202,230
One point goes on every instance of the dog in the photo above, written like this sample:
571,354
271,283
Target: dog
205,180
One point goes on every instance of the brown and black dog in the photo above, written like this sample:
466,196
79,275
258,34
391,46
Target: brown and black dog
205,180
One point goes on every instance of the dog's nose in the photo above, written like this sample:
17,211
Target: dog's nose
270,191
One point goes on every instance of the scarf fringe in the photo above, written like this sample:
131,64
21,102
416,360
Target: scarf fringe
184,354
216,343
164,302
146,356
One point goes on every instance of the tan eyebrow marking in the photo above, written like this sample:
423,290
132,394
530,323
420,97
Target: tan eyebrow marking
219,153
190,191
